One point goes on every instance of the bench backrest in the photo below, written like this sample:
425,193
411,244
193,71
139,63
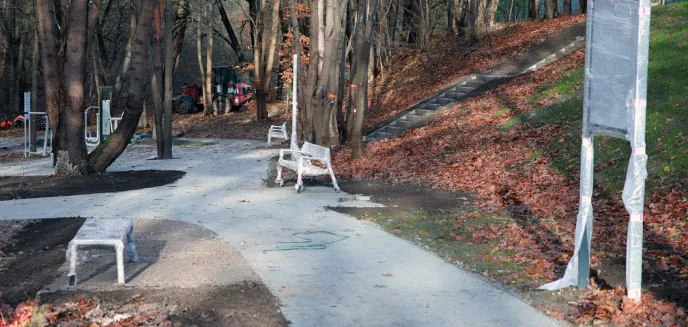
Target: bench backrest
316,151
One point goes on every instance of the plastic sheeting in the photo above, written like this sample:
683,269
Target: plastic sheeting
615,103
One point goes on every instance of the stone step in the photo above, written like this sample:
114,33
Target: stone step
443,101
413,118
403,123
382,135
431,106
473,84
485,78
422,112
455,95
394,130
549,60
463,89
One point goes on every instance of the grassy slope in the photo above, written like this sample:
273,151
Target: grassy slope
667,122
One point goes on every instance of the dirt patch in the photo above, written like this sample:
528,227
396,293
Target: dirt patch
248,304
407,196
35,260
33,257
233,125
25,187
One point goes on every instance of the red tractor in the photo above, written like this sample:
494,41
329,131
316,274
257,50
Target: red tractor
228,93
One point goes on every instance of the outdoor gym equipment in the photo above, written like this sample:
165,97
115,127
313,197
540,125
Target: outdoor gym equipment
614,104
28,140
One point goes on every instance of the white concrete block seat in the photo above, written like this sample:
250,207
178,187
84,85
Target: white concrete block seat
277,131
310,160
115,232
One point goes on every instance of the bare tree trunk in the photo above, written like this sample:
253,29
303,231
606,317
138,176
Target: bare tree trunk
264,53
234,42
106,153
550,9
169,79
320,91
358,97
450,16
459,16
534,9
583,5
199,56
567,7
156,78
480,17
126,62
492,12
34,90
179,30
312,78
72,155
392,18
208,105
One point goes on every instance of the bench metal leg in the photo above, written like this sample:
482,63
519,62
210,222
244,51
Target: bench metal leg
119,249
334,180
72,264
131,248
279,180
299,182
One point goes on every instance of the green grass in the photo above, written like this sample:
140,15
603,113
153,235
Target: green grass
438,232
667,121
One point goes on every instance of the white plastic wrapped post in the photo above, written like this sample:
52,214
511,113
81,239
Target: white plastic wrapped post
614,104
578,268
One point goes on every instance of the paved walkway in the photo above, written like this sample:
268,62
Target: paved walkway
370,279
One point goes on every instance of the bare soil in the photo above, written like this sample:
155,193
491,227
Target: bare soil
34,255
25,187
248,304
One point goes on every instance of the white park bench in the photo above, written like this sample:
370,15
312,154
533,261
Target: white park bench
103,232
277,131
302,162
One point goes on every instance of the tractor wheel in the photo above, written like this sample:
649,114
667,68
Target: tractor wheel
185,105
220,104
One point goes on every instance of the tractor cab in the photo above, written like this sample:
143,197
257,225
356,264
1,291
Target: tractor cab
224,78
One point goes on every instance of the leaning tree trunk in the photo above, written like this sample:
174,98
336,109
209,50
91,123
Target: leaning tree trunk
106,153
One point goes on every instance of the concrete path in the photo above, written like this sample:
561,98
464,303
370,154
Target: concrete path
370,279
